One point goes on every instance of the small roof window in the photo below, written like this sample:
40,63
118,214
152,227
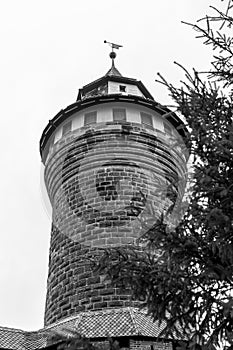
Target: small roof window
122,88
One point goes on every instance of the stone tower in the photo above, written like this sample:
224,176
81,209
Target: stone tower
114,161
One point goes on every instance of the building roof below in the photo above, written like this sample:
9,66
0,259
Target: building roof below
124,322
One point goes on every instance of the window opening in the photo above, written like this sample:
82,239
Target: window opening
122,88
119,114
90,118
66,128
52,141
146,119
167,128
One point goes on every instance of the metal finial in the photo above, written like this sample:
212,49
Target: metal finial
113,53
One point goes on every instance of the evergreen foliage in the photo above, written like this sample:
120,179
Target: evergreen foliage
185,276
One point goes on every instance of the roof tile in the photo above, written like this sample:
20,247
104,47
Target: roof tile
93,324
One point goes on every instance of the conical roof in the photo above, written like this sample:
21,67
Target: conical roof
113,72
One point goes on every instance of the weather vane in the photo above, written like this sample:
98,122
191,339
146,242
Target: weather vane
113,46
113,53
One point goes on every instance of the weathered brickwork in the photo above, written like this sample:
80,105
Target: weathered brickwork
107,184
72,285
149,345
141,344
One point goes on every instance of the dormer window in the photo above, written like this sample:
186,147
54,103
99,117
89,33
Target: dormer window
90,118
66,128
119,114
122,88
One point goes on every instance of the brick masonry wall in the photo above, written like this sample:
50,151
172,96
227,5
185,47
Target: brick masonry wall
141,344
149,345
107,185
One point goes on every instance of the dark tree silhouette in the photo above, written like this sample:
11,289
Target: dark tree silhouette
185,276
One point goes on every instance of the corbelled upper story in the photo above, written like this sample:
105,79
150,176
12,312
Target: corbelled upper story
106,93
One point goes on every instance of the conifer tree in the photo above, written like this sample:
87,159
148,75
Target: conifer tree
189,283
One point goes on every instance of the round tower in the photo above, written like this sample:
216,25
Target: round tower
114,161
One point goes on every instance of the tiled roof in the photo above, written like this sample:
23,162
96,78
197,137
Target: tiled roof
94,324
11,338
117,323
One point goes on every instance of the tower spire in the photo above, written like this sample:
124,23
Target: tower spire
113,70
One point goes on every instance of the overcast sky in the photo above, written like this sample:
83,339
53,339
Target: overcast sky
49,49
